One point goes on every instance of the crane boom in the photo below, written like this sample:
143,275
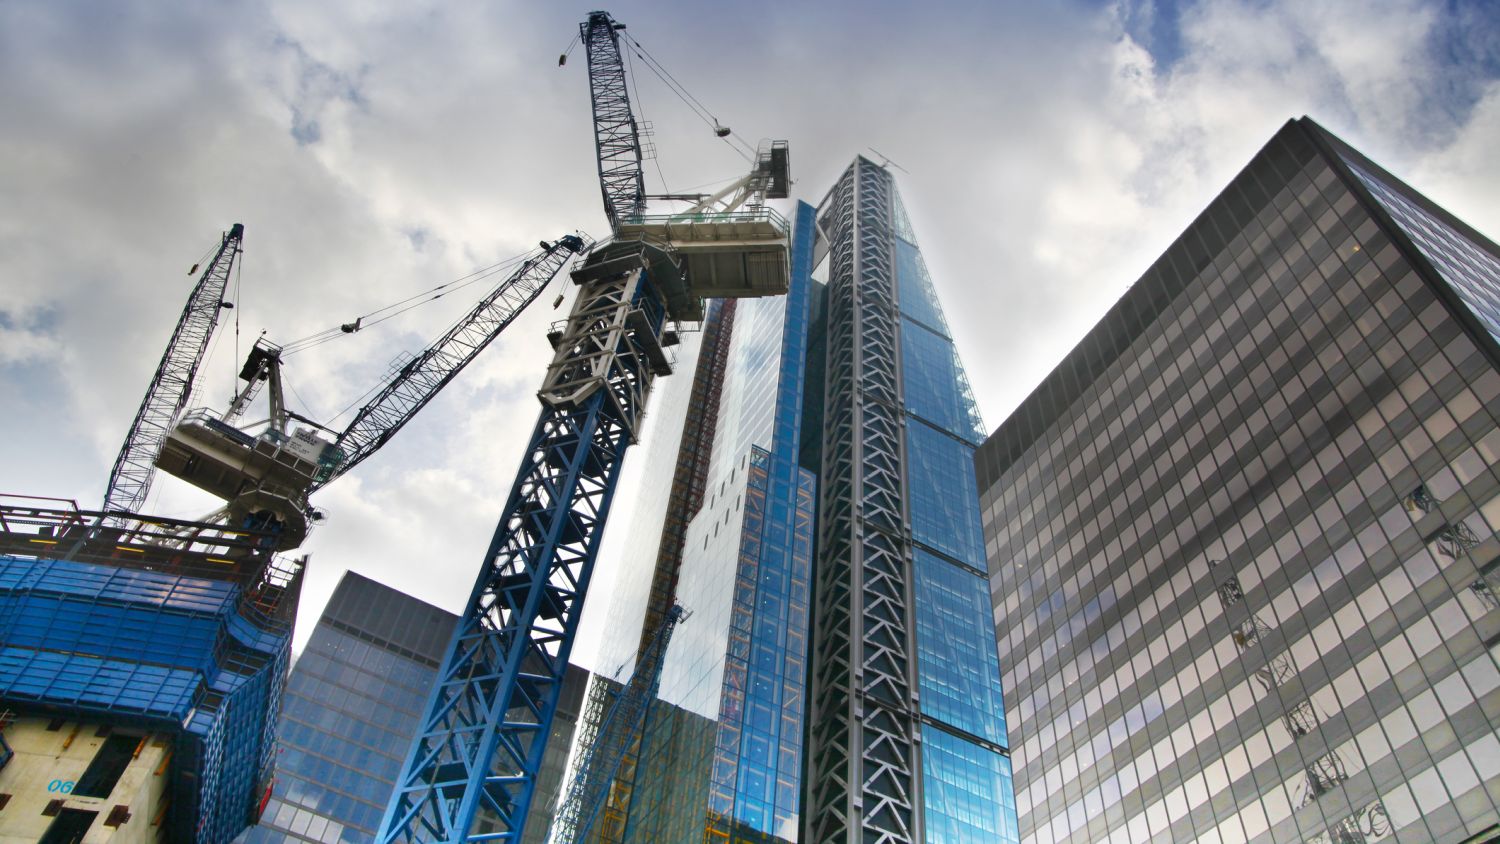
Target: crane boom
617,731
418,381
130,479
617,137
270,475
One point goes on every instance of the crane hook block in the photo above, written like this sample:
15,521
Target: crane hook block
562,59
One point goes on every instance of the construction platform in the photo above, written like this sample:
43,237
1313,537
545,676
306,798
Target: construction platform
697,256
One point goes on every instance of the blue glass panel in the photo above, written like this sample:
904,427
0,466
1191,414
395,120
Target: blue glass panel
966,792
918,301
943,495
1472,272
957,664
936,388
350,712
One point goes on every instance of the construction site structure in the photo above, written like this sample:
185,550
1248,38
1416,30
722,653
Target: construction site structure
141,671
475,760
141,659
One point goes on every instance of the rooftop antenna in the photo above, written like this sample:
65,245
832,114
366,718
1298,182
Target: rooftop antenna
887,162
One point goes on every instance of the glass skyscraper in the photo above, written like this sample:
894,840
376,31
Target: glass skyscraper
837,678
905,736
352,704
1242,540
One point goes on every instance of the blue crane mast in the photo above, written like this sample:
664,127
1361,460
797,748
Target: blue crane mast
167,394
471,772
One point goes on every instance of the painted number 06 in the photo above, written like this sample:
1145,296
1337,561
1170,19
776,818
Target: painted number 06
63,786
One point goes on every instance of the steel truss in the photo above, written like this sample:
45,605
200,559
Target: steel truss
480,744
862,743
417,382
130,479
616,135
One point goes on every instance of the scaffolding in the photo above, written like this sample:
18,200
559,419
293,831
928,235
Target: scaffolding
177,627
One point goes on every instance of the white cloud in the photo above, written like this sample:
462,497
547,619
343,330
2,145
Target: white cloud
373,150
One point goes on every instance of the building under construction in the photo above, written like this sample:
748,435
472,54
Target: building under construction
141,671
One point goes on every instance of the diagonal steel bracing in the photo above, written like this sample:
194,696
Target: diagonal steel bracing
471,772
862,743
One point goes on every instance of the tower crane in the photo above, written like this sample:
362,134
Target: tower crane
601,758
130,479
470,774
265,479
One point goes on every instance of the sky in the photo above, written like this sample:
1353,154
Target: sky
1047,154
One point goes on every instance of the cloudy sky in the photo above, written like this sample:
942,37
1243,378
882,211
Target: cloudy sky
1049,153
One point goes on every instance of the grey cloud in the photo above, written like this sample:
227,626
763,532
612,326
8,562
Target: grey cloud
374,150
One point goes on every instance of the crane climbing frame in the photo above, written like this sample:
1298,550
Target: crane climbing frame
480,745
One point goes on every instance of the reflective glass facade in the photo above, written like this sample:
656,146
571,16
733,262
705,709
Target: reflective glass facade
721,756
907,740
1471,271
352,702
355,694
1243,540
966,775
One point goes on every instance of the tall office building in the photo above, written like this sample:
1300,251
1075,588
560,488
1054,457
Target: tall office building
906,740
1242,540
141,671
837,678
353,702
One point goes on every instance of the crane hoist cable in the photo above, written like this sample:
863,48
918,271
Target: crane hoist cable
563,59
692,102
644,124
408,303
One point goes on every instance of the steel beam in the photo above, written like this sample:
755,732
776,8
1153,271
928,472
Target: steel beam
476,756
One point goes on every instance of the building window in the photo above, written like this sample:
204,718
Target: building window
69,827
109,763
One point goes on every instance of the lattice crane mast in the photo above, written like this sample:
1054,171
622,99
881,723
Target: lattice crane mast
265,478
618,729
130,479
471,772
